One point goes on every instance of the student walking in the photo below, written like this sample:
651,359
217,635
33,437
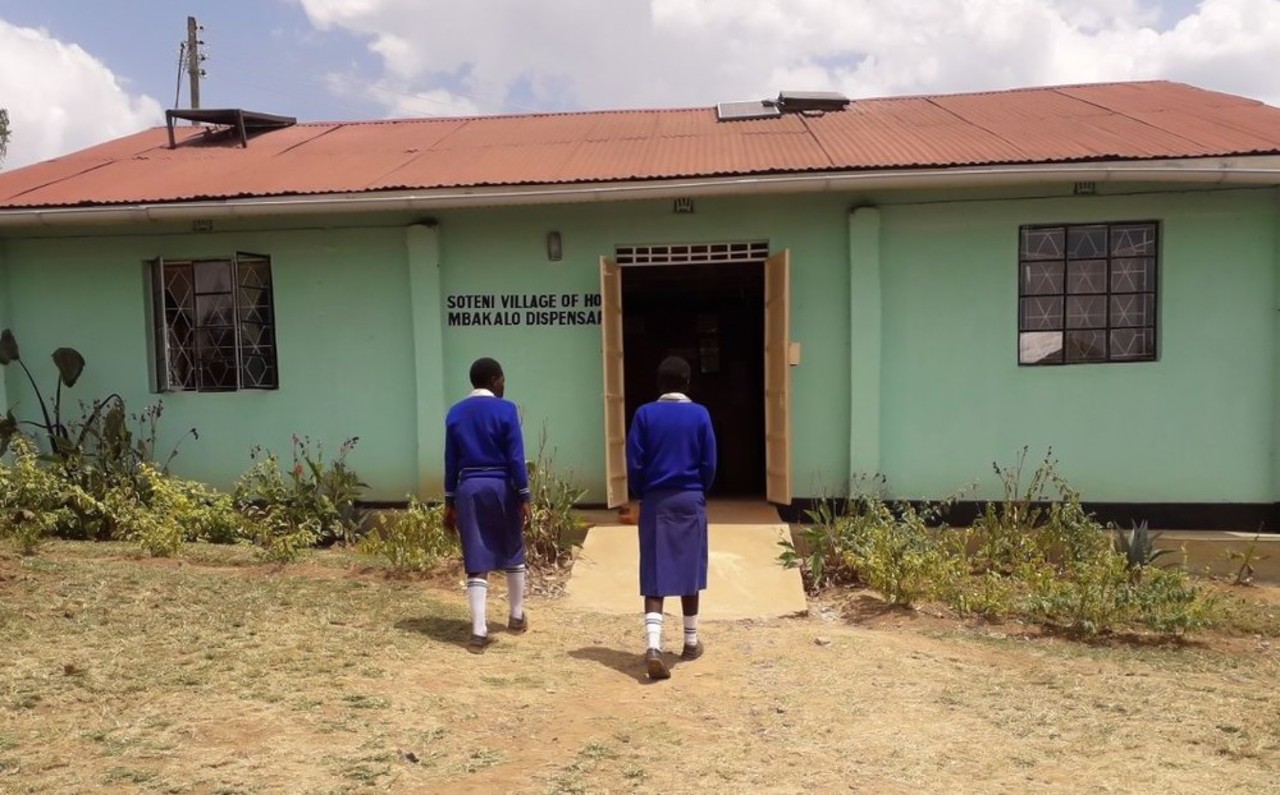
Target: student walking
671,464
487,495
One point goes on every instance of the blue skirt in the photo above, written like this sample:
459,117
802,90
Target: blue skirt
488,511
673,543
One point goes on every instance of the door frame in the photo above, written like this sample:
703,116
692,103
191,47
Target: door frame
777,374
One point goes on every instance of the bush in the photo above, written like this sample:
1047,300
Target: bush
411,540
1036,553
35,502
147,514
889,548
1167,601
314,500
900,558
163,512
207,515
554,526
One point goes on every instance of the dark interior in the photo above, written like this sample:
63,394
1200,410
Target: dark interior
713,316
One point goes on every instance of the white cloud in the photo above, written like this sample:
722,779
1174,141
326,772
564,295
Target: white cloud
399,100
513,54
60,98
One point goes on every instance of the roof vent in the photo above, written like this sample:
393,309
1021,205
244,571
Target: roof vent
801,101
243,122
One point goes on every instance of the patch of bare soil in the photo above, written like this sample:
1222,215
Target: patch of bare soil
123,675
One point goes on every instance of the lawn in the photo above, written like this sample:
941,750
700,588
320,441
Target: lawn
216,674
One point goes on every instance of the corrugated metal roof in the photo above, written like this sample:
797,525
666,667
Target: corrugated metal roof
1119,121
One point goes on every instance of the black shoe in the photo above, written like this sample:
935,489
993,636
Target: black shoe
654,666
479,643
691,653
518,626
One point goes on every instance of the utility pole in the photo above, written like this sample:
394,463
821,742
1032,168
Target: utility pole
194,58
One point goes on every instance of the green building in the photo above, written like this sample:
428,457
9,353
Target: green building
915,287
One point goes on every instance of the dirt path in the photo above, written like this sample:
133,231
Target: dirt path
188,679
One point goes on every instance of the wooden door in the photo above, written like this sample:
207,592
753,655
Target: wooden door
777,378
615,412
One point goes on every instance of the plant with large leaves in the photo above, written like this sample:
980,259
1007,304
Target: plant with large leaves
70,366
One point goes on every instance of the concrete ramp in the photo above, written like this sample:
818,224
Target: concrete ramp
744,579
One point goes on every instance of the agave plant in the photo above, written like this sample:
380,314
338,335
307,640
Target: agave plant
70,366
1138,546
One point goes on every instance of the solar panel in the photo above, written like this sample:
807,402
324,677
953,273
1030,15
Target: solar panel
812,100
740,111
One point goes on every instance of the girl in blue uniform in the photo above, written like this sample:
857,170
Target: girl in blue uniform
671,464
487,495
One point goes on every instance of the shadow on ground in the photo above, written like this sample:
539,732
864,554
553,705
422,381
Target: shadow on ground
442,629
627,663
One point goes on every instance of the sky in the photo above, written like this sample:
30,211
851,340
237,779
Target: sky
74,73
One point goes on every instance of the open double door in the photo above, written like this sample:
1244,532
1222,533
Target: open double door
777,379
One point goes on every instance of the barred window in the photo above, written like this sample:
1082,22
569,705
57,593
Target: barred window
1087,293
214,324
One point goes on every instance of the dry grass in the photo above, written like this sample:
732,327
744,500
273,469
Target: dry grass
216,675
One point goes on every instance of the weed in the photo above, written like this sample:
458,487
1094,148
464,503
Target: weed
554,526
34,502
1244,575
411,540
315,499
1034,552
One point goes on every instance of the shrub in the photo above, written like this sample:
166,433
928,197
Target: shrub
411,540
889,548
1167,601
1095,597
554,526
34,502
1035,552
147,514
280,538
836,527
208,515
314,499
901,558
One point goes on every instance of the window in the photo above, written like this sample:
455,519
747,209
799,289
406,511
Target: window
1087,293
214,324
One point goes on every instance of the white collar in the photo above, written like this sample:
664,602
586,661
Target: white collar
481,393
674,397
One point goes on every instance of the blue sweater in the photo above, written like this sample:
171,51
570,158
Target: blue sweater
671,446
483,439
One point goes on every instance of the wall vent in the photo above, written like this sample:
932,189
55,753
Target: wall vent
692,253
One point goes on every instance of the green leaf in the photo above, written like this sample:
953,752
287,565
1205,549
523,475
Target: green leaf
70,365
8,347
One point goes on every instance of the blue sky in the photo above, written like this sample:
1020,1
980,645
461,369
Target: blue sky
72,75
263,54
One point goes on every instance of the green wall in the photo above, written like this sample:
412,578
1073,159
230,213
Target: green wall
4,319
555,373
931,322
1194,426
343,333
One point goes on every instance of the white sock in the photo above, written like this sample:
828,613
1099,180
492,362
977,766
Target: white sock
653,629
477,595
690,630
515,590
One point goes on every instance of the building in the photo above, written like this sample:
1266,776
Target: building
913,286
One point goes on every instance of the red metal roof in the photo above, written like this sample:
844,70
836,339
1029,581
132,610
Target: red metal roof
1118,121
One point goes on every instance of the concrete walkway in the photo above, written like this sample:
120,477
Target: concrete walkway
744,580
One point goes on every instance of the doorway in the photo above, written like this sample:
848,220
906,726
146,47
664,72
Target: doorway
668,302
712,315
